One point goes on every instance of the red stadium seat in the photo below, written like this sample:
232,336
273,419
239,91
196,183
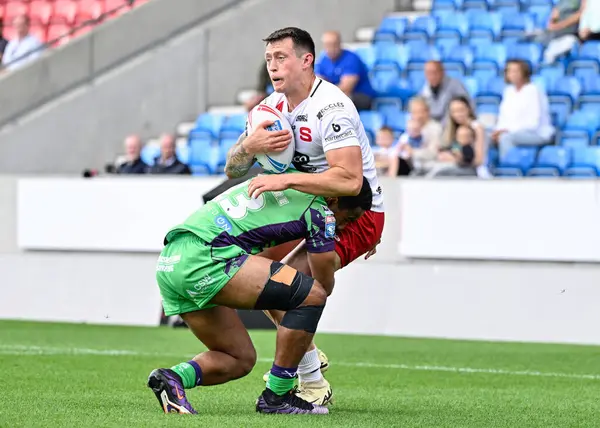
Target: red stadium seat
10,33
15,8
40,10
64,11
39,31
93,8
57,30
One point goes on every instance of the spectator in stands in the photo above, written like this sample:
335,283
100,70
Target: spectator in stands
167,162
134,164
460,155
346,70
524,117
421,152
561,32
3,41
262,89
384,142
24,48
440,89
589,24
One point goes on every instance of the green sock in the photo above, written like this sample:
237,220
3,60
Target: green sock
278,385
187,373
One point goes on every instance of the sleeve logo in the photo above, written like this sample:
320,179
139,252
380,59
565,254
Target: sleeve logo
336,127
329,226
328,108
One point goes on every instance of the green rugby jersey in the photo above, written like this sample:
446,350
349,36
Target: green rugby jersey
234,219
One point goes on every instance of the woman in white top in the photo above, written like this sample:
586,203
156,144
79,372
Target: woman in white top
524,118
589,23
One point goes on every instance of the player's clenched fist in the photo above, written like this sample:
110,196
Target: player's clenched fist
265,141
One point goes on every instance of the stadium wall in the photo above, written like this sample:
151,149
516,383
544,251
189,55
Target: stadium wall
389,294
115,81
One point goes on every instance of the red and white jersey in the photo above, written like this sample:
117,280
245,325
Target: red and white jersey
327,120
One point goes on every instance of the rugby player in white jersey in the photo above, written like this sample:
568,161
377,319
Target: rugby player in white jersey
332,146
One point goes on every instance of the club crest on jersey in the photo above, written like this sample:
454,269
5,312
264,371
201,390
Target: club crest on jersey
276,126
329,225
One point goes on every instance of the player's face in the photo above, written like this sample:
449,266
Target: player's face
284,65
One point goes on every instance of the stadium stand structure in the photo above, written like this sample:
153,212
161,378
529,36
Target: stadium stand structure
473,39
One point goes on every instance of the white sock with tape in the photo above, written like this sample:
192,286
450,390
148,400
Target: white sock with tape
309,369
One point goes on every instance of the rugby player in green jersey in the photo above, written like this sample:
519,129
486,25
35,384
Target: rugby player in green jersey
209,267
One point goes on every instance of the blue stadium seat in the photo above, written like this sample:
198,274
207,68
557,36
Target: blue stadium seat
484,24
541,15
487,108
447,5
530,52
492,91
551,161
516,24
396,120
367,55
493,157
390,54
444,42
490,57
559,112
398,88
149,153
471,85
583,71
386,104
382,77
233,126
519,158
590,89
483,76
470,5
460,57
479,42
207,126
586,162
565,89
587,56
591,106
224,145
419,54
581,124
203,156
551,73
372,121
573,142
391,28
530,3
508,9
416,79
456,23
422,28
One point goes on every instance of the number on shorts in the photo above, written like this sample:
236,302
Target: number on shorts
238,208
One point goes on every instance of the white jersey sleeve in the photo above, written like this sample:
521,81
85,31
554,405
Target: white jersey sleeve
337,129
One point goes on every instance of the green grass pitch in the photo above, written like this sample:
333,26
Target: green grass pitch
61,375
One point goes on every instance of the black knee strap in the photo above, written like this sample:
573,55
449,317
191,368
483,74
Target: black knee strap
303,318
285,294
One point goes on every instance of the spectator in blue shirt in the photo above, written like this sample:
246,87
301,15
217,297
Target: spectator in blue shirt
346,70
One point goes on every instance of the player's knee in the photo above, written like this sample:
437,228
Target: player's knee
317,295
286,289
246,362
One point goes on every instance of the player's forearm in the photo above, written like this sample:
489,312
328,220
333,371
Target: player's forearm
239,161
334,182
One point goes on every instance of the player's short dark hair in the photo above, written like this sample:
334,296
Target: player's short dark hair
301,38
363,200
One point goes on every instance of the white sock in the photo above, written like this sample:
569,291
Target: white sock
309,369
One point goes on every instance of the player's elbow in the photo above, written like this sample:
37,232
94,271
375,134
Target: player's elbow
354,186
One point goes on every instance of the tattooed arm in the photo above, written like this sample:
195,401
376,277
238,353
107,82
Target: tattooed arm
239,161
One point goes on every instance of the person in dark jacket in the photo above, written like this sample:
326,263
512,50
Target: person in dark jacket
134,163
167,162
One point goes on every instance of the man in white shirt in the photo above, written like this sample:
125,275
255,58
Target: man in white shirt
22,49
331,146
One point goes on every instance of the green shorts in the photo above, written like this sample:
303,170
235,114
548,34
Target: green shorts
190,272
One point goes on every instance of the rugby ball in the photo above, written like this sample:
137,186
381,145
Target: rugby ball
273,162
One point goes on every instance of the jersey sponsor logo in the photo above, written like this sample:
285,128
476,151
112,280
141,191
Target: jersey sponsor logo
305,134
336,127
166,264
378,190
276,126
223,222
302,118
329,108
329,225
346,134
200,286
300,162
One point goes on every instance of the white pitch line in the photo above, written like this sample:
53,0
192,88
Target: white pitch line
20,350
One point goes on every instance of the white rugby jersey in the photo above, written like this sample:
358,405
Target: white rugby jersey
324,121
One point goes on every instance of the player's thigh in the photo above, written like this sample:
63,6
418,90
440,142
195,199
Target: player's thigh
278,252
359,237
221,329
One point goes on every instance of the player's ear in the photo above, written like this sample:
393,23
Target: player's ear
332,202
308,60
